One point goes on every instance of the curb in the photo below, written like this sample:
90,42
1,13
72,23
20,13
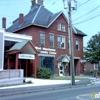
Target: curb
43,90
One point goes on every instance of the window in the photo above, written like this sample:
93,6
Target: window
84,66
61,42
77,44
51,40
96,66
63,28
42,38
59,26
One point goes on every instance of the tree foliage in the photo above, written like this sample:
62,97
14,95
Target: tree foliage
92,51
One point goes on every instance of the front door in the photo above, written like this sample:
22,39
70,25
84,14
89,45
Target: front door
61,71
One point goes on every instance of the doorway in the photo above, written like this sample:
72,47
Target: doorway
26,65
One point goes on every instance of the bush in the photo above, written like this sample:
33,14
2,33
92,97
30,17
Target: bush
91,72
43,72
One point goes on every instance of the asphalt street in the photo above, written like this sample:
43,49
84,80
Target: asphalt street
82,93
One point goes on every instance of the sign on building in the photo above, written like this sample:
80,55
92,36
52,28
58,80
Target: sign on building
26,56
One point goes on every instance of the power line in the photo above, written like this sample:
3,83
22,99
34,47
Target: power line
92,15
86,20
83,3
87,13
53,3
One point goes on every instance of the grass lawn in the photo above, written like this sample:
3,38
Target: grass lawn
68,78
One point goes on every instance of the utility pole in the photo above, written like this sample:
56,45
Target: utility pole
72,71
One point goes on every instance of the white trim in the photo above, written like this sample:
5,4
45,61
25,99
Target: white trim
46,55
59,26
44,36
61,35
49,24
26,56
96,65
53,40
76,57
2,49
16,37
55,19
76,44
36,14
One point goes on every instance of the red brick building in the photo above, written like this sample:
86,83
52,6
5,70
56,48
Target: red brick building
50,38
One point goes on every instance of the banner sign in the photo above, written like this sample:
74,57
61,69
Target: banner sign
26,56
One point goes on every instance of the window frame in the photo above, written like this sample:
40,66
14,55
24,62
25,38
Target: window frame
49,39
59,26
96,65
41,32
63,29
61,42
77,44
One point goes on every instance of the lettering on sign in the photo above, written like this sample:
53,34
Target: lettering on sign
52,53
38,48
26,56
48,52
48,49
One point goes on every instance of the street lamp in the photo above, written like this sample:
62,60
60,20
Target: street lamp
70,4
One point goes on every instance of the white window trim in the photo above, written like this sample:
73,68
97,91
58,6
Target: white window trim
53,39
62,27
44,36
59,29
78,44
95,66
84,66
61,40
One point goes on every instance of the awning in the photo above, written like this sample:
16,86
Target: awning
63,58
25,47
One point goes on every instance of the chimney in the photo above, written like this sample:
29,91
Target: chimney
39,2
21,19
4,22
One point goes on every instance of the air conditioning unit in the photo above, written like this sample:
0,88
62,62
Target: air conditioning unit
62,44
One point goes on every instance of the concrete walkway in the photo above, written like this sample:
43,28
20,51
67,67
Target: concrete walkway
39,82
45,82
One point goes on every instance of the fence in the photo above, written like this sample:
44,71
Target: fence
11,77
5,74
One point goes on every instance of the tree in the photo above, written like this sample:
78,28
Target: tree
92,51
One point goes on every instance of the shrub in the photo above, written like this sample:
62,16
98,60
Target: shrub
43,72
91,72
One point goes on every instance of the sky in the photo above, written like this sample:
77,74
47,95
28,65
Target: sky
86,18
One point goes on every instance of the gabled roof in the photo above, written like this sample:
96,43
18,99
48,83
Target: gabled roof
79,32
39,16
18,46
63,58
24,46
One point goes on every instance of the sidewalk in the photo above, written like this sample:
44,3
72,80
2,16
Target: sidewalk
39,85
32,82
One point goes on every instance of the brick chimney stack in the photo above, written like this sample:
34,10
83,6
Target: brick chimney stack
4,22
21,19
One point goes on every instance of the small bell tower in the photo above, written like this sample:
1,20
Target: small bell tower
40,2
